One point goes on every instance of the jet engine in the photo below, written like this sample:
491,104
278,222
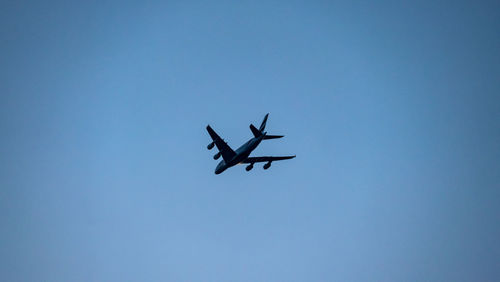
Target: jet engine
216,156
249,167
268,165
210,146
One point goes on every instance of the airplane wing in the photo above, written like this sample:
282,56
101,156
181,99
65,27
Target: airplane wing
224,149
251,160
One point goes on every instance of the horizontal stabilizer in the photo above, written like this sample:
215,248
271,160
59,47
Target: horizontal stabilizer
255,131
272,137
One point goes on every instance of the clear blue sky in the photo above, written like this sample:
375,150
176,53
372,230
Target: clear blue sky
392,108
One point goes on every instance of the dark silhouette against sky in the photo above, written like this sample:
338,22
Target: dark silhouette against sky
392,108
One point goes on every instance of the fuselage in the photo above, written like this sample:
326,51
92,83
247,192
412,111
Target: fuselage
241,154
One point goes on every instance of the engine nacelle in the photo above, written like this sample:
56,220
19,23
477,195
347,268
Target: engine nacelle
216,156
210,146
249,167
268,165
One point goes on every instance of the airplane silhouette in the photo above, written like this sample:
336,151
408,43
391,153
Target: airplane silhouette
241,155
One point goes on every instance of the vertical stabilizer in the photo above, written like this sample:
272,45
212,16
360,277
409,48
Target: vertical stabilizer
263,124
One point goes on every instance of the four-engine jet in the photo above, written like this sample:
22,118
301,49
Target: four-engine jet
241,155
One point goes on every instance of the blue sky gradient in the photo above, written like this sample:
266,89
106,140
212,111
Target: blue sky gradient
392,108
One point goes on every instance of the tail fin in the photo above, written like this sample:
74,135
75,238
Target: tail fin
255,131
258,132
263,124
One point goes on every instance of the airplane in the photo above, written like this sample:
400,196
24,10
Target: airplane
242,154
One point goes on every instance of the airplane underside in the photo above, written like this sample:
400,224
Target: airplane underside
242,154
